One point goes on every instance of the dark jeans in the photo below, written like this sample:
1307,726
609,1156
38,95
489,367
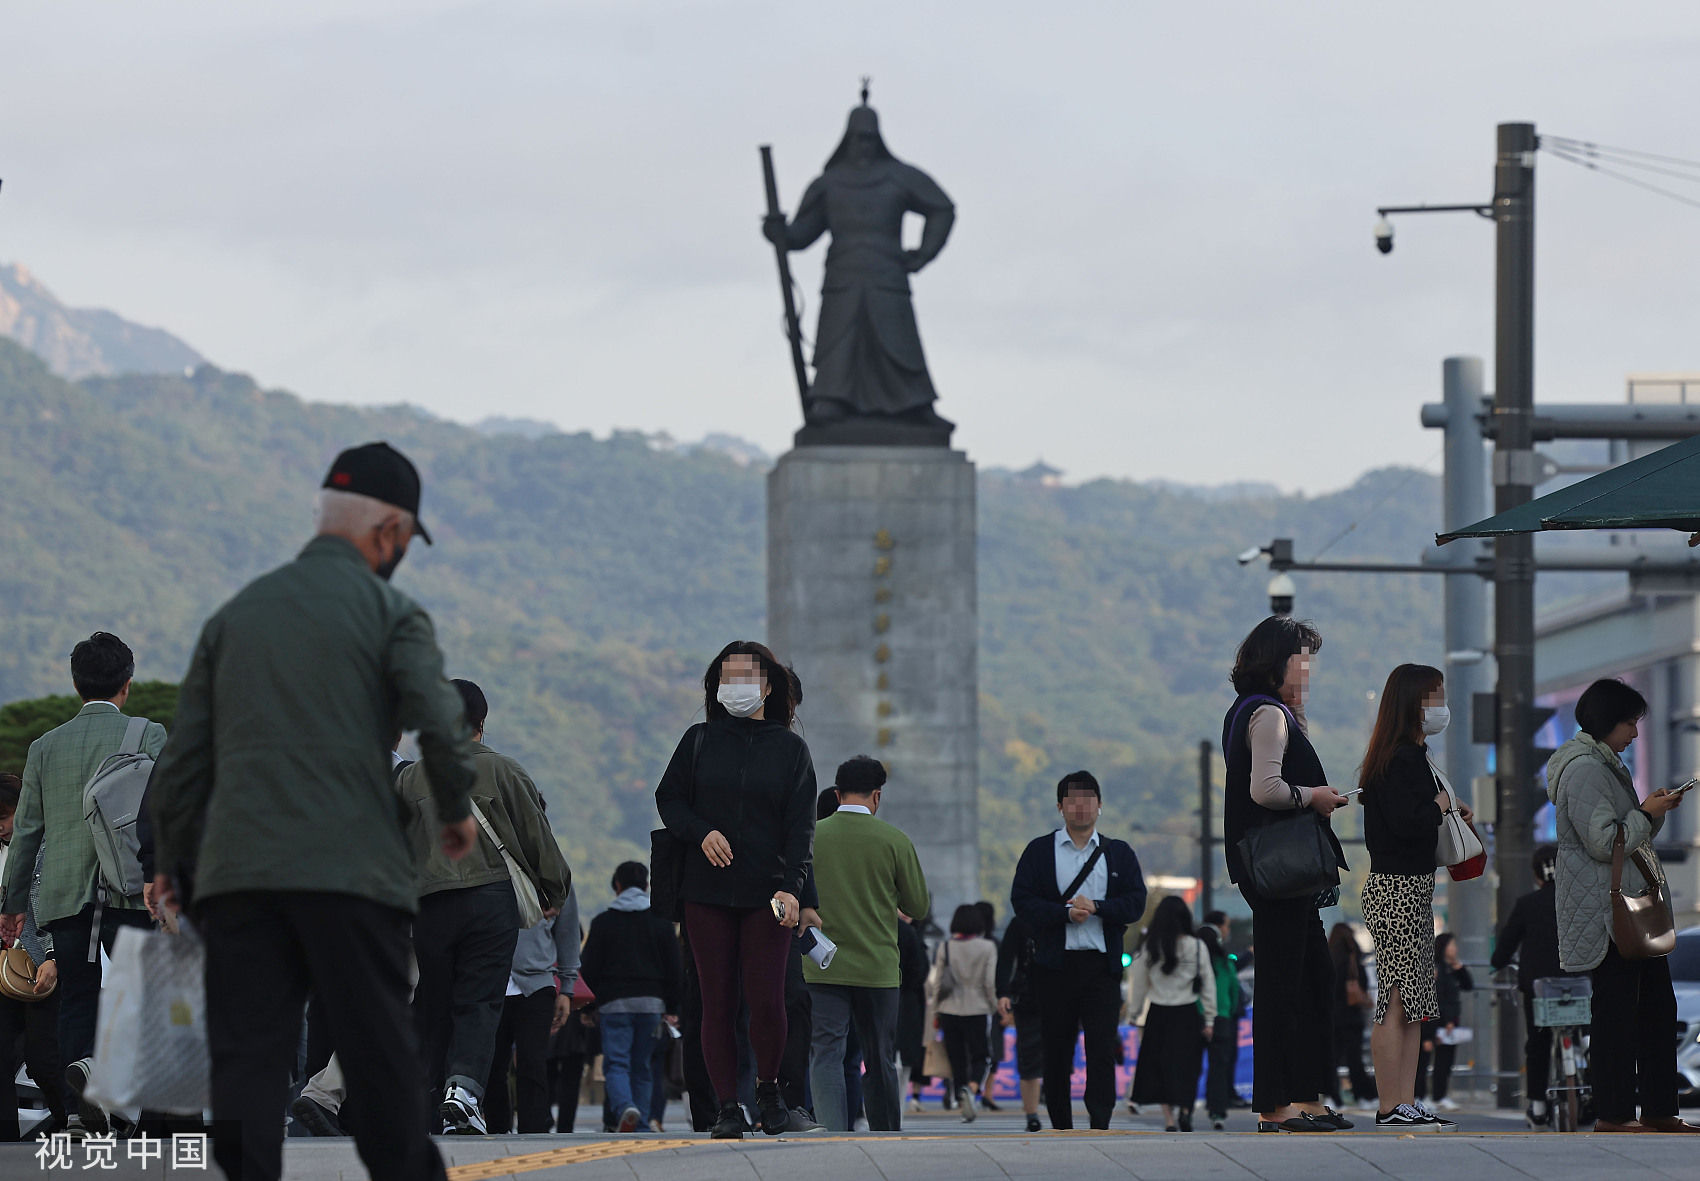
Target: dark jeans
464,942
1293,1017
873,1012
1224,1055
734,946
1537,1053
265,951
37,1024
1349,1052
1083,996
965,1045
79,980
1633,1051
522,1041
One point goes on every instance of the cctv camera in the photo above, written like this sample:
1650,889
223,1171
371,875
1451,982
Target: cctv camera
1251,555
1281,592
1384,235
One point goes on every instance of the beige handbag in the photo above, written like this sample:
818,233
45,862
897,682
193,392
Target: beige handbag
1643,928
17,976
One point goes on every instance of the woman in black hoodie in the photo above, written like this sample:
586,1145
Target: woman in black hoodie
1403,800
739,792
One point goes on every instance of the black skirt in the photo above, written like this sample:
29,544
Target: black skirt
1171,1053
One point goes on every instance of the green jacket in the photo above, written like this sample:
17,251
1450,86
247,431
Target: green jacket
865,872
513,806
50,813
277,772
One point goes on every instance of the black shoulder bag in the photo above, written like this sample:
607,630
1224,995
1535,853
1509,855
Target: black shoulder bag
1291,857
667,855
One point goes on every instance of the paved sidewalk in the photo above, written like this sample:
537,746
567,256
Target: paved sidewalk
1063,1156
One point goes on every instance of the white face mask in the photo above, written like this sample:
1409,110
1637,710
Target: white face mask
1435,719
741,699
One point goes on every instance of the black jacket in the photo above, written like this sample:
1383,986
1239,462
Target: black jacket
1015,962
1531,934
1450,984
632,953
1038,899
755,784
912,958
1401,819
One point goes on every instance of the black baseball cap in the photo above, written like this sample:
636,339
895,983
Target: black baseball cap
381,472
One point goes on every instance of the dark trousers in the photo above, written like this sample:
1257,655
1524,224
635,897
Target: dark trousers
1633,1051
35,1026
734,947
522,1042
1293,1017
1223,1056
873,1012
1083,996
1349,1052
965,1046
1441,1057
911,1039
79,980
567,1075
464,941
265,952
799,1030
1537,1053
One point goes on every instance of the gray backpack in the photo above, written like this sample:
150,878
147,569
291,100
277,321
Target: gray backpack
112,802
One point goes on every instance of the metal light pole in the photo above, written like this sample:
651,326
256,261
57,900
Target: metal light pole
1514,556
1206,841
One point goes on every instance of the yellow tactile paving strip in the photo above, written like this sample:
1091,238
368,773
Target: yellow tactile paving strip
578,1154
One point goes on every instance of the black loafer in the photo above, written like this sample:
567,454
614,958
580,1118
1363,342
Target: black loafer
1303,1122
1334,1119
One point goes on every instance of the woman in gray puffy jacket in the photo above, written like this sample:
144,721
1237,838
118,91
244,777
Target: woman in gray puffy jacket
1634,1058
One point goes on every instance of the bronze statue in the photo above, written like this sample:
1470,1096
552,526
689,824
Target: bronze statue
871,383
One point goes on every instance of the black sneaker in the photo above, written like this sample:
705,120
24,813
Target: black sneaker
316,1119
94,1120
1402,1116
729,1124
770,1108
1033,1124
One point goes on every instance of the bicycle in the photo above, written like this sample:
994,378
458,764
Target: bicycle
1564,1004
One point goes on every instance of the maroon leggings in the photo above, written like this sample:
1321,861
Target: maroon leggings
727,942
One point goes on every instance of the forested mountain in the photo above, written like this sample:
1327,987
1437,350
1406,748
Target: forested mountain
83,342
585,583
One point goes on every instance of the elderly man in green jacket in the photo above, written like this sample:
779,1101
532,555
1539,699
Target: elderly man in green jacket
469,920
277,824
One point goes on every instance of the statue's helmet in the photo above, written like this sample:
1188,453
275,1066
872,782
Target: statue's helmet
864,124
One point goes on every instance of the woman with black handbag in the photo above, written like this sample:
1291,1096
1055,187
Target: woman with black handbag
1275,831
1172,977
1403,804
738,797
1601,821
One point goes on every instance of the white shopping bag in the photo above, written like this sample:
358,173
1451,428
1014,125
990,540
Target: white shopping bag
151,1043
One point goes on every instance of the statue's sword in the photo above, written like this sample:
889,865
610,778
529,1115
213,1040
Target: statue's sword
792,328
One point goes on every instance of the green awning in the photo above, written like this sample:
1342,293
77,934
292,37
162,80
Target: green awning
1657,491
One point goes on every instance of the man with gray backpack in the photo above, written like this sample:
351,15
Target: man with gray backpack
82,788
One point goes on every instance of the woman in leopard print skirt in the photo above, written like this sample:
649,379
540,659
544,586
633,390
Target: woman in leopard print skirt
1403,802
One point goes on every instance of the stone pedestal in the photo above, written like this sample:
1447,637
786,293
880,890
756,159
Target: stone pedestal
871,598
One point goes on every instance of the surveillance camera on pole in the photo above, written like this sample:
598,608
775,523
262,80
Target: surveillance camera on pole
1384,235
1281,592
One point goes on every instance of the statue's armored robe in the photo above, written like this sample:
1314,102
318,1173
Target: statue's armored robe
868,358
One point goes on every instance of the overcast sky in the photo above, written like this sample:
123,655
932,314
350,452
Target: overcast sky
1162,264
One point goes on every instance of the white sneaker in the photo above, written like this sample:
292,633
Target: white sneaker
1446,1105
461,1113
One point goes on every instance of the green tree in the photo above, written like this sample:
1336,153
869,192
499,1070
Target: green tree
22,722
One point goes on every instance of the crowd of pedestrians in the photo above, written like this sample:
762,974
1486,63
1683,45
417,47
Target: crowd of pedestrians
395,950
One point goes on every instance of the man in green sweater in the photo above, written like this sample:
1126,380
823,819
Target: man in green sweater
865,871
